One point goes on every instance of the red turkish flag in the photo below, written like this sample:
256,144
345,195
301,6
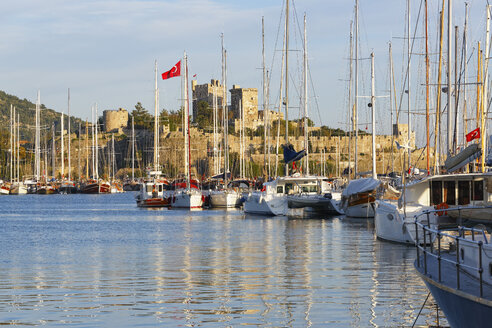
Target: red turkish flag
175,71
475,134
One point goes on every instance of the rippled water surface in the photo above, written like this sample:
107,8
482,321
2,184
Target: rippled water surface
98,260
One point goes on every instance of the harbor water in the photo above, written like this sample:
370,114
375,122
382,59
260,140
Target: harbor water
98,260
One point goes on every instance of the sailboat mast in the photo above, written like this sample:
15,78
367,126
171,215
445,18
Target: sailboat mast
409,132
356,87
133,149
437,135
450,45
37,137
224,111
485,103
427,88
69,139
465,53
96,145
186,124
18,149
53,152
156,122
11,143
373,106
286,99
350,107
391,108
62,147
265,111
306,141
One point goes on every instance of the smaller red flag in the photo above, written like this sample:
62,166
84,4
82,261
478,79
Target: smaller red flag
194,75
175,71
475,134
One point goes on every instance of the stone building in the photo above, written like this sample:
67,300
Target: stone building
205,92
248,98
115,120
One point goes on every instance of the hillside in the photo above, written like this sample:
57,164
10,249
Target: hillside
26,111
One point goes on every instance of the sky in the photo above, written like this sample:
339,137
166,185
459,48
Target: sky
104,50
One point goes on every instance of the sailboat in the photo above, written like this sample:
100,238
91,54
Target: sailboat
273,198
225,197
17,187
67,185
95,185
187,195
153,190
359,196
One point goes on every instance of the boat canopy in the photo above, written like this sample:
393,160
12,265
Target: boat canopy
360,185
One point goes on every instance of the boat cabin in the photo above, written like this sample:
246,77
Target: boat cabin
297,185
453,189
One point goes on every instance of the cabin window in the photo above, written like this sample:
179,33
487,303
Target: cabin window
478,190
313,189
160,188
288,187
450,192
149,188
280,189
305,189
463,192
436,192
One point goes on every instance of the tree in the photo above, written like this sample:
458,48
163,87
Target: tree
142,118
204,115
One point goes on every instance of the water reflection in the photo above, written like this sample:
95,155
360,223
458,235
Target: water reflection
102,261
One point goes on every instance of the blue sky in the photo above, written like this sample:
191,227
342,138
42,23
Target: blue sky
104,50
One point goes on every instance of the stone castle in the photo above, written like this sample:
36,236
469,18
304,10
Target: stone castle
334,149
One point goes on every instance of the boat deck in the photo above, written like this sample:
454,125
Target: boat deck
468,284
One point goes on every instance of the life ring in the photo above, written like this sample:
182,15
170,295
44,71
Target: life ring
441,207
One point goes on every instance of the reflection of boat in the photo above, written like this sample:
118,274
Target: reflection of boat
458,272
359,196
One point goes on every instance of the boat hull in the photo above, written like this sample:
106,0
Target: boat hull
317,203
187,200
365,210
225,199
461,309
153,202
391,226
259,203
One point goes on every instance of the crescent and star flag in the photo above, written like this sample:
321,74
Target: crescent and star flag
475,134
175,71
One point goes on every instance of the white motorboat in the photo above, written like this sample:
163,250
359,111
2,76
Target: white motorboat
273,200
444,192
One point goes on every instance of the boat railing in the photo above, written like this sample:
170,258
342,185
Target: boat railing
427,249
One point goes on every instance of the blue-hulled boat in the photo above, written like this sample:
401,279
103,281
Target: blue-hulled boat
457,270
